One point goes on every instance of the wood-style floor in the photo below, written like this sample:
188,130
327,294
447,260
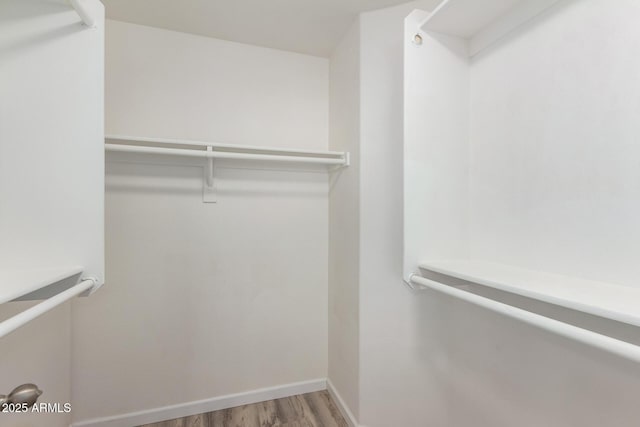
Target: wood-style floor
304,410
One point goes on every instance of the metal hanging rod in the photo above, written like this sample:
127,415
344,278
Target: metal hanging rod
620,348
20,319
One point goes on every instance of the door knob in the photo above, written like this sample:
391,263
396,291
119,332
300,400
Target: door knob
25,394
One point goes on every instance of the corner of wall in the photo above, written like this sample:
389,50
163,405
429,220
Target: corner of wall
344,224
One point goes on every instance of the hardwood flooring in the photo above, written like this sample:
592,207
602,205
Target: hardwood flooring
304,410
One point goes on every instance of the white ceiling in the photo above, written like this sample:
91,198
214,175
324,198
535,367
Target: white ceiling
307,26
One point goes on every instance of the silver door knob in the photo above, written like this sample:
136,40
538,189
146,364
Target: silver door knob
24,394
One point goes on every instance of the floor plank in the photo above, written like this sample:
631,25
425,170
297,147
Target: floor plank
241,416
322,407
268,414
195,421
305,410
218,418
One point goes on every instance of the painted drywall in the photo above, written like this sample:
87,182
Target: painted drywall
400,357
303,26
190,87
344,217
554,183
396,377
51,130
436,177
206,300
426,359
51,182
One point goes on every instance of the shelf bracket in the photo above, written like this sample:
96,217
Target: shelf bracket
208,188
347,163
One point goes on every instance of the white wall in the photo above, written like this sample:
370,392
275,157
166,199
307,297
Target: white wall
431,360
344,226
555,184
436,177
51,127
163,83
399,359
51,181
205,300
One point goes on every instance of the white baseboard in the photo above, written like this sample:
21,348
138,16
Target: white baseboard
342,406
206,405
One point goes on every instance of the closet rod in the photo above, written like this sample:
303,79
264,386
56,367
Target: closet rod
85,15
620,348
210,154
20,319
143,140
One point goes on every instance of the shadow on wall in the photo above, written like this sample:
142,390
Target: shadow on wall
491,370
334,177
34,9
185,177
523,29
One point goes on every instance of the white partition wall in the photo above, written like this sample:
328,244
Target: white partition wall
436,146
51,145
51,187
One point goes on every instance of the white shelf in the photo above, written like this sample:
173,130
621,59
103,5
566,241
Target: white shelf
465,18
482,22
16,283
191,148
606,300
211,151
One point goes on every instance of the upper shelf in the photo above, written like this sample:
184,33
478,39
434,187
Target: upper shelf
213,150
606,300
482,22
30,283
